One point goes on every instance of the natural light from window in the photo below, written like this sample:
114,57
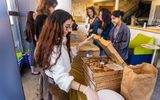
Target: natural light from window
9,9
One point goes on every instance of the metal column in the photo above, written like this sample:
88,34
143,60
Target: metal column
10,80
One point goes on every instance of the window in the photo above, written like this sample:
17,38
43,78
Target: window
9,9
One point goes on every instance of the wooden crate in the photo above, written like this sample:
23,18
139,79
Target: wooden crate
76,69
101,80
77,37
109,49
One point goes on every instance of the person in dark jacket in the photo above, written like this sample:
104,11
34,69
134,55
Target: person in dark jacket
30,34
44,8
102,27
120,34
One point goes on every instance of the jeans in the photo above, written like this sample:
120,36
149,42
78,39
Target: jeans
31,52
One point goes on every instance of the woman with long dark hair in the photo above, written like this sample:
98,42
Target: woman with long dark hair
53,54
90,21
120,34
30,34
43,10
103,26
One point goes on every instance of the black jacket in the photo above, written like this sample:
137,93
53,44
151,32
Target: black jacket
121,42
40,20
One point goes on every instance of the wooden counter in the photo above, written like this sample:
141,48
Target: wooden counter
147,29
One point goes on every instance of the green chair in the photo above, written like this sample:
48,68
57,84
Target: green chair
19,55
138,54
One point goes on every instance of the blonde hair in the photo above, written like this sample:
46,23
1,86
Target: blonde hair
44,5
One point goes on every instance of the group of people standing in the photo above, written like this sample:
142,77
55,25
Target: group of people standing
111,27
34,24
48,33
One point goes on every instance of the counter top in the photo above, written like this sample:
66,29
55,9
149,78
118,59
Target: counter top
148,29
77,37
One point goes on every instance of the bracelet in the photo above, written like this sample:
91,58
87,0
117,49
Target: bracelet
85,90
79,87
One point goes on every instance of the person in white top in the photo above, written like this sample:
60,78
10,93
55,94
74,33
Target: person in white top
90,20
53,54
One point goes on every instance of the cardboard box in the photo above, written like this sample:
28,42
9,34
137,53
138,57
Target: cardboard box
101,79
109,49
104,79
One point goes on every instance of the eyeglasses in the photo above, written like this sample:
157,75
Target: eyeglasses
68,27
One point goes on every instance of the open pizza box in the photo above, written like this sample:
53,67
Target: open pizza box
104,72
109,49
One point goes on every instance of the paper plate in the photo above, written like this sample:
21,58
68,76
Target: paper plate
109,95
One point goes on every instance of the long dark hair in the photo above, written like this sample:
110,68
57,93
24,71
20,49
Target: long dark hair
106,17
30,29
43,6
52,36
94,11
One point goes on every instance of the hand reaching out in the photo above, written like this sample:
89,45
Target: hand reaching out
89,39
91,94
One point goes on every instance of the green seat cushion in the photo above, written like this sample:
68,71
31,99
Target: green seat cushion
138,40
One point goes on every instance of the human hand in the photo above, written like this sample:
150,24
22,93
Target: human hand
90,31
91,94
89,39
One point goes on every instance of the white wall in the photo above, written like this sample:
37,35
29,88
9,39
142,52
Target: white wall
134,32
152,11
65,5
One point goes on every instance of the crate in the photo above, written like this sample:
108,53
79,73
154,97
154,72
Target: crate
89,48
86,49
109,49
101,79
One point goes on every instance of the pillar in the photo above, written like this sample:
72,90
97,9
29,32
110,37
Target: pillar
65,5
116,4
